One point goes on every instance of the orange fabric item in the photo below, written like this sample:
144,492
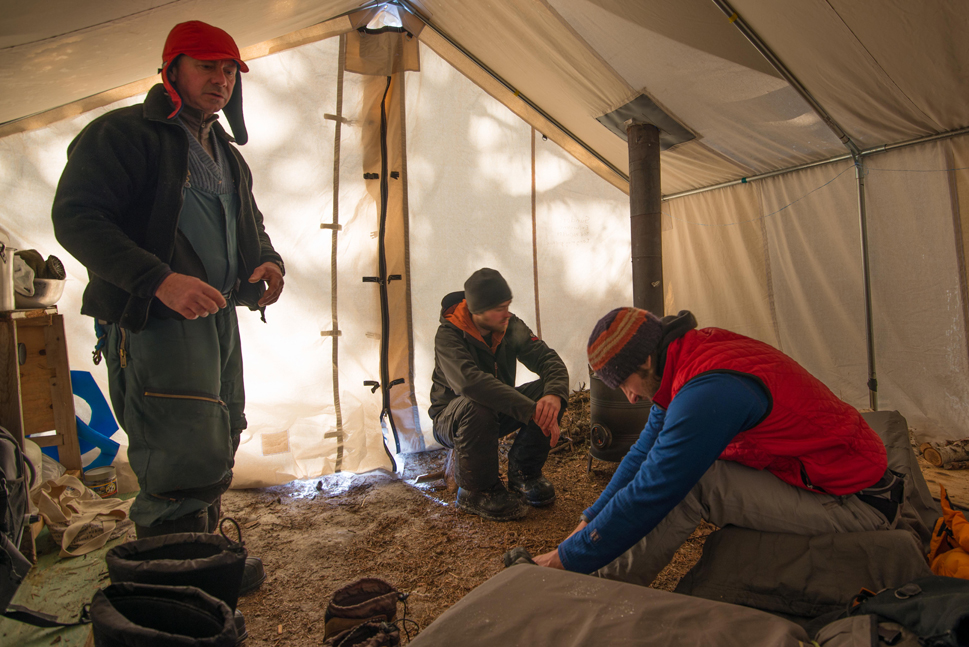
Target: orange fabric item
460,316
949,550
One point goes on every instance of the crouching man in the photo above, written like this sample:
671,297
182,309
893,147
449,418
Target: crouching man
738,434
474,400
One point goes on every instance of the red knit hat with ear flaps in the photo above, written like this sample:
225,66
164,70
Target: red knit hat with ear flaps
204,42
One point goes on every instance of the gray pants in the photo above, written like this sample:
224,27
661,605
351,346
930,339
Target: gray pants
178,394
732,494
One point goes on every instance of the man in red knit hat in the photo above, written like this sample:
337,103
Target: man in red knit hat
156,202
739,434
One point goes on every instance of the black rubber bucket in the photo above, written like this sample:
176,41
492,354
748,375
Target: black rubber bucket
145,615
616,424
209,562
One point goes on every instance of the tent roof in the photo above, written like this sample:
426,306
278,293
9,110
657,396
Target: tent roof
886,72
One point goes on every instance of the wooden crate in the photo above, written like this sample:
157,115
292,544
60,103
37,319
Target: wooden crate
35,382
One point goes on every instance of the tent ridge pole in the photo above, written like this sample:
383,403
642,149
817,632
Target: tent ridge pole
776,63
753,178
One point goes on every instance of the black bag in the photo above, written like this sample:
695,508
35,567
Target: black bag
146,615
15,473
210,562
14,515
934,608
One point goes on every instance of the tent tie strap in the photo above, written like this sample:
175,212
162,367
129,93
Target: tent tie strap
377,279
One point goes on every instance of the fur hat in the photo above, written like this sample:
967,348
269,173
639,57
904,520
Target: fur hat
486,289
621,342
204,42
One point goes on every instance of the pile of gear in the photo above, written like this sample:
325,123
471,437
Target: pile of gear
37,282
180,588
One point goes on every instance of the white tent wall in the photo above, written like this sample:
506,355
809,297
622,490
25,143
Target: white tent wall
292,405
917,294
712,231
813,235
30,167
469,186
778,260
584,253
805,293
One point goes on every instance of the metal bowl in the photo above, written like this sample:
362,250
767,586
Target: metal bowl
46,293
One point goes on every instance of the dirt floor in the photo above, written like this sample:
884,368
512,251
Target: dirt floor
315,536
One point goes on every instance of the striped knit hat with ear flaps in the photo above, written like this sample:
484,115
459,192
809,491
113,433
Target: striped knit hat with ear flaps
621,342
204,42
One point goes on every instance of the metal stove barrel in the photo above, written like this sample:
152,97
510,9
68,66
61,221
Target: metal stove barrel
616,424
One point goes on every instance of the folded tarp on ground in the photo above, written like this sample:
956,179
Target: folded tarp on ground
530,605
798,575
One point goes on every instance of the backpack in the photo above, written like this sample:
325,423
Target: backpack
15,475
14,516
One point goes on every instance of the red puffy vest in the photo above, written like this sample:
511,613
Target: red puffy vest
810,438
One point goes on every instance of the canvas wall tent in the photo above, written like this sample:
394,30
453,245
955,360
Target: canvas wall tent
776,255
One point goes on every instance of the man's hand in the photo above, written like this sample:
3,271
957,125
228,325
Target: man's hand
550,559
547,416
188,296
271,274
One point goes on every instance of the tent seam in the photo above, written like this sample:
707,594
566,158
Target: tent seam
879,66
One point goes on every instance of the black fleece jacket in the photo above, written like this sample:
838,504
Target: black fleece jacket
466,366
117,205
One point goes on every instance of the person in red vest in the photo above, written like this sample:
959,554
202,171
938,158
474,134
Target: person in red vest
739,433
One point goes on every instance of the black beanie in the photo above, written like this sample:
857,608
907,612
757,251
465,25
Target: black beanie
486,289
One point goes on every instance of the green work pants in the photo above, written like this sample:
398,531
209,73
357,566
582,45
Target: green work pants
177,390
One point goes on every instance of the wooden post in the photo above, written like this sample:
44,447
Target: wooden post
645,212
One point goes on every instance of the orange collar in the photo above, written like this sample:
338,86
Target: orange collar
460,316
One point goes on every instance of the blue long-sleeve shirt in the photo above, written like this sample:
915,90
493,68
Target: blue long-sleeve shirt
673,452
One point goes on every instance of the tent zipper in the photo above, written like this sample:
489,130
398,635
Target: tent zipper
385,382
